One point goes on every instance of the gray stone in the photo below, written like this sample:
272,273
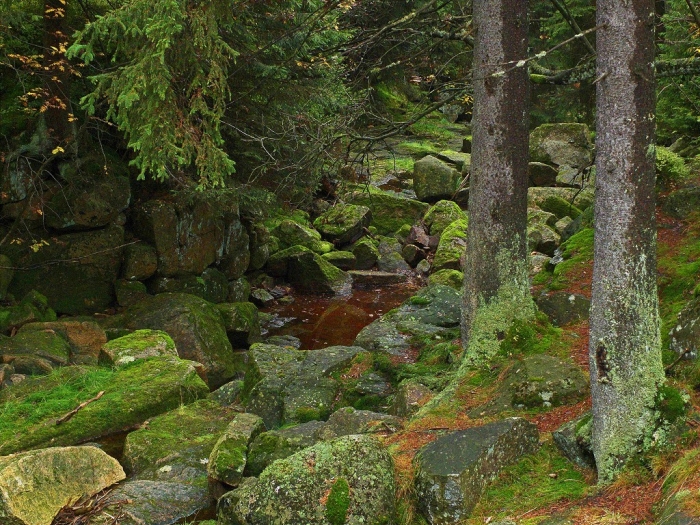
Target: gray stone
563,308
366,253
574,440
347,421
392,262
561,144
441,215
238,290
140,344
389,210
310,273
541,174
153,503
543,381
434,180
410,396
343,260
685,335
140,262
452,472
460,160
291,233
543,239
129,292
242,323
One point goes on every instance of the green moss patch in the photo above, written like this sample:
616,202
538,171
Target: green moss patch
132,394
535,482
338,502
577,253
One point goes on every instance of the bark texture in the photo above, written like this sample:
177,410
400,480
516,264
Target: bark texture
496,290
625,344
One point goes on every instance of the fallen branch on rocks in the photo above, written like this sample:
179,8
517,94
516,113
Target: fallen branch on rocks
82,405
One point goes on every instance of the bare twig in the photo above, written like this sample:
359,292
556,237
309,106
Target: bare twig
82,405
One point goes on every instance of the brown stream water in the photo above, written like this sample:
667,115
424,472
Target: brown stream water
321,321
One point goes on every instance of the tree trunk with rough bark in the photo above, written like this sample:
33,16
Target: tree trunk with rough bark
625,344
496,290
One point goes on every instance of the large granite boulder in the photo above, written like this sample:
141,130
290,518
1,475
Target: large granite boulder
433,179
195,325
130,395
544,381
347,480
574,440
564,144
389,211
89,261
34,352
343,223
366,253
36,485
452,472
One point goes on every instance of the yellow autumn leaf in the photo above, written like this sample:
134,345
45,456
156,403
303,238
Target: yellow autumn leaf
58,149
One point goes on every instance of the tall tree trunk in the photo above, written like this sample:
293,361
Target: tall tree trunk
625,345
496,290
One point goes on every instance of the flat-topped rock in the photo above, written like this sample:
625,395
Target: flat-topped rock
369,278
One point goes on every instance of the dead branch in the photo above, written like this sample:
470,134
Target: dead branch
82,405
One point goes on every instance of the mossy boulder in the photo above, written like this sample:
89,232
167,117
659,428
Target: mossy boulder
132,394
230,453
389,210
238,290
366,253
410,397
446,277
289,492
343,223
684,337
563,308
176,446
189,235
262,245
309,272
85,337
292,233
540,174
562,202
36,485
542,238
140,262
452,472
545,381
129,292
433,179
211,285
88,203
89,261
242,323
341,259
279,444
32,308
140,344
348,421
285,385
460,160
561,144
48,347
278,263
574,440
195,325
450,251
441,215
681,203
